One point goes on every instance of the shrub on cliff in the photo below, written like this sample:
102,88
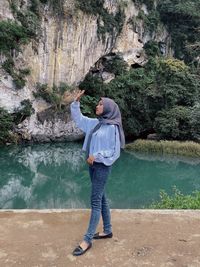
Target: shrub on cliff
12,35
6,123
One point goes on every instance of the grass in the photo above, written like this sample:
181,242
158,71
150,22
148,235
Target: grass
187,148
177,200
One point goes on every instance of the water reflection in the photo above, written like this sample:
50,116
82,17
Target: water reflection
56,176
41,176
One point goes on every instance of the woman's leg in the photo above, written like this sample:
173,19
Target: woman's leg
105,212
99,174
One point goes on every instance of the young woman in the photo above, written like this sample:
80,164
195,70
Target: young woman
104,136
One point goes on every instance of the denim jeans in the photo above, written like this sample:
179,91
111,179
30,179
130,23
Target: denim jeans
99,205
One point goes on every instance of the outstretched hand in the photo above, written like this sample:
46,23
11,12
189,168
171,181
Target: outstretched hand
79,95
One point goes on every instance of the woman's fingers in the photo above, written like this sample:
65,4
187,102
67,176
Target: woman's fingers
79,95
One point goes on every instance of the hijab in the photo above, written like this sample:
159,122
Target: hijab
111,115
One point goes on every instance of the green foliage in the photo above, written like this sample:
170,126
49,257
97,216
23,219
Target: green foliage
88,105
107,23
173,123
177,200
152,48
57,7
18,75
183,20
151,21
31,22
35,7
116,66
53,95
195,121
92,85
175,82
12,35
23,112
5,125
156,97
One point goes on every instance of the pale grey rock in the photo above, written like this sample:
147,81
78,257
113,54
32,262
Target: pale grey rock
5,12
107,76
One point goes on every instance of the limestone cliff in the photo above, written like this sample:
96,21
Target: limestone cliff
66,49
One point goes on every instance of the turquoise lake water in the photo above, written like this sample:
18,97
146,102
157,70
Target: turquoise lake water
56,176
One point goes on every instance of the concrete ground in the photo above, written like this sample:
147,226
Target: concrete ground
141,238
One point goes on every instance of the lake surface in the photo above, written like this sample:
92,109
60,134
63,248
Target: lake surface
56,176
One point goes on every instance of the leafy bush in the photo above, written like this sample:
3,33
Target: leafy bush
17,75
174,123
195,121
6,123
93,85
23,112
176,83
31,22
177,200
117,66
12,35
152,48
52,95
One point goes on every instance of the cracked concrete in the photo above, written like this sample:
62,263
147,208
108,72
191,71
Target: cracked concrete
46,238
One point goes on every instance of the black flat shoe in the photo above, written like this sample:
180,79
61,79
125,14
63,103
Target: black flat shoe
97,236
79,251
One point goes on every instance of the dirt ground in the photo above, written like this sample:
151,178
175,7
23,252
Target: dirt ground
141,238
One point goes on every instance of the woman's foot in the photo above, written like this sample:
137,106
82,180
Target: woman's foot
102,235
82,248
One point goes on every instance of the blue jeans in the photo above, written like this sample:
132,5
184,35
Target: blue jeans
99,205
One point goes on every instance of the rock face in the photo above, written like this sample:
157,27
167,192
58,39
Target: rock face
67,49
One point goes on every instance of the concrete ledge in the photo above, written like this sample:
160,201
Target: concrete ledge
46,238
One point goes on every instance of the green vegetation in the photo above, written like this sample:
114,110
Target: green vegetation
182,19
12,35
162,96
116,66
177,200
189,148
9,120
23,112
18,75
6,123
107,23
174,123
52,95
151,21
152,48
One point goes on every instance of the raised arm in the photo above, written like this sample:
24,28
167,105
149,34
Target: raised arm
82,122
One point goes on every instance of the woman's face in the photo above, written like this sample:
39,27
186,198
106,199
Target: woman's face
99,108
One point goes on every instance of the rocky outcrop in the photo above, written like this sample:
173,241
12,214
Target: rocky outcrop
67,48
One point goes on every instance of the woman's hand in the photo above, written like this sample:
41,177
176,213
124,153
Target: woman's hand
79,95
90,160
